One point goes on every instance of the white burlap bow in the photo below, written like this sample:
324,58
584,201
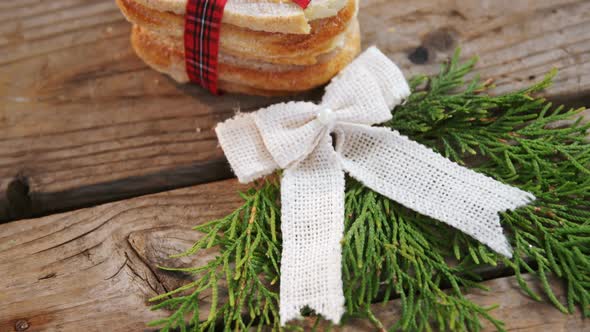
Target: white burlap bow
296,137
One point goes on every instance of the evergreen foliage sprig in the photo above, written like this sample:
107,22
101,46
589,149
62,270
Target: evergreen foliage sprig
392,252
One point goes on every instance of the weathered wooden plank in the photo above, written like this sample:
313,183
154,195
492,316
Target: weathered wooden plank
95,269
517,41
83,121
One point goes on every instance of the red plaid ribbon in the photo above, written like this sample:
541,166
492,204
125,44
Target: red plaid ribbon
202,23
302,3
201,41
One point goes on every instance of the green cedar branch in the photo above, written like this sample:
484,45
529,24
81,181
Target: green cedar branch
392,252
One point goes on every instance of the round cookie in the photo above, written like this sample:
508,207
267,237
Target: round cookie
166,55
278,48
281,16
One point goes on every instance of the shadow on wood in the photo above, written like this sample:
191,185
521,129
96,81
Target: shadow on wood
19,203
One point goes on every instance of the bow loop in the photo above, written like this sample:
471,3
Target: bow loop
391,80
356,97
289,130
244,148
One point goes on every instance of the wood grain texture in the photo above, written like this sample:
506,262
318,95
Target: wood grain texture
83,121
94,269
517,41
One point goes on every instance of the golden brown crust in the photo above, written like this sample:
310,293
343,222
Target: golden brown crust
269,47
300,79
167,56
230,87
165,22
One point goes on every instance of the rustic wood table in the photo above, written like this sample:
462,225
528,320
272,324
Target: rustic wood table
86,128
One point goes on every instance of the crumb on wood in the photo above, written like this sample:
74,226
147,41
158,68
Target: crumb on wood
20,99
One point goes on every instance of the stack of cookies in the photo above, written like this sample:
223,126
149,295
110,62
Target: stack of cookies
267,47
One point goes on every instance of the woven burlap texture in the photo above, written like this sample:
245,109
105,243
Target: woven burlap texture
297,137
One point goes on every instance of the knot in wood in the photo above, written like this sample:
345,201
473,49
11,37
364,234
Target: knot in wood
21,325
419,56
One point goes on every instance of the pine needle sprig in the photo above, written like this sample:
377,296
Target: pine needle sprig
390,252
239,285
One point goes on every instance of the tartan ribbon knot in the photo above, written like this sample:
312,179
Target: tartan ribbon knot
297,137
